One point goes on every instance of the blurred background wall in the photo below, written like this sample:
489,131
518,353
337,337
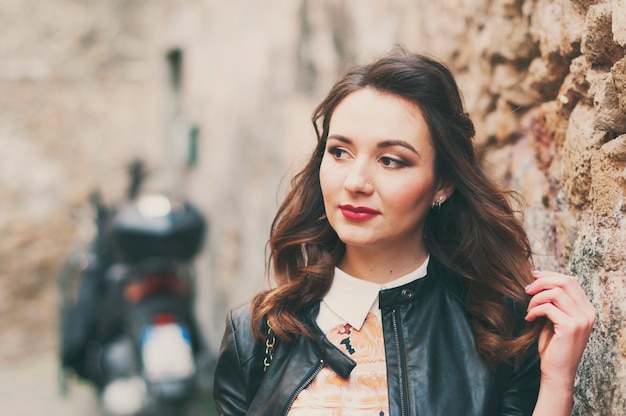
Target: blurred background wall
86,86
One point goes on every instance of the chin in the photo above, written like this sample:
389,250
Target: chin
361,242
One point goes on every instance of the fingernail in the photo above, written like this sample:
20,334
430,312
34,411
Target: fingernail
527,288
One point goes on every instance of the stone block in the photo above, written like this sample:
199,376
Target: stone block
503,123
619,22
515,85
618,73
545,78
496,162
546,26
597,42
546,127
609,178
609,116
581,141
526,177
615,150
566,228
572,23
511,40
568,96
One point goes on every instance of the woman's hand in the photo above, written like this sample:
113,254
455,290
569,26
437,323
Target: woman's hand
569,320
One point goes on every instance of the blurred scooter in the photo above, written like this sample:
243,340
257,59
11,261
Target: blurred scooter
128,324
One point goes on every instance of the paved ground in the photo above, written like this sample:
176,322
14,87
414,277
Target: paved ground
29,387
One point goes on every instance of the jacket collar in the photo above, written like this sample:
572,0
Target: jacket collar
337,360
417,289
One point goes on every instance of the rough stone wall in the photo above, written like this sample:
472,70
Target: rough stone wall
83,88
552,120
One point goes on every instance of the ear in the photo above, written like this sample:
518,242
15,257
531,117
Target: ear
445,190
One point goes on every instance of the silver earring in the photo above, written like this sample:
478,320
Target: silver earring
438,202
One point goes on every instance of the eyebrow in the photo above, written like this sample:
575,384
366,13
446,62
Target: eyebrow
380,145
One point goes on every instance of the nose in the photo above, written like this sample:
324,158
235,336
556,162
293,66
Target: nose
358,179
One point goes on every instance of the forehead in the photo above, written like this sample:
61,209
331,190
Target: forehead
368,113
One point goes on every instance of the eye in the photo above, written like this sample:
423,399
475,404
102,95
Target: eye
391,162
338,153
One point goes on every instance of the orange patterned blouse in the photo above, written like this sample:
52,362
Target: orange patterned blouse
350,318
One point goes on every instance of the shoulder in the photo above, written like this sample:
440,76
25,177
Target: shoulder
239,317
239,365
450,281
455,286
238,337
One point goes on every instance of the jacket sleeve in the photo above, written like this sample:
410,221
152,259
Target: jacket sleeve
520,395
229,387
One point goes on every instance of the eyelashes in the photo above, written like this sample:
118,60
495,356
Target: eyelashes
339,153
391,162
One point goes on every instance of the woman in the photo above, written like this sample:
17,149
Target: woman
404,281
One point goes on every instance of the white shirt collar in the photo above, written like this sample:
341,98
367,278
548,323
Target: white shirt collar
350,299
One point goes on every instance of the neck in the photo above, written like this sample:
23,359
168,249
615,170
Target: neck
377,267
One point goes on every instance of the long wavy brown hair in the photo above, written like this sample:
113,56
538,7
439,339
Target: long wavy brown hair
477,233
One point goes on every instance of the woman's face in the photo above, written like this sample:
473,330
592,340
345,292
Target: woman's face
378,173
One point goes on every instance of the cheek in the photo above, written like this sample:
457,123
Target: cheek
329,177
407,199
325,181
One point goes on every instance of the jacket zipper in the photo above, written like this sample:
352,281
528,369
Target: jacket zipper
401,364
310,377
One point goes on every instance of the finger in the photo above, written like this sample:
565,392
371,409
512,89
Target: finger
556,316
558,297
550,280
580,308
581,324
550,312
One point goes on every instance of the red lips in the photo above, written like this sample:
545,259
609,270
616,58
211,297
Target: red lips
358,213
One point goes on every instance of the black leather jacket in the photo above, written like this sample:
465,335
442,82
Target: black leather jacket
433,367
